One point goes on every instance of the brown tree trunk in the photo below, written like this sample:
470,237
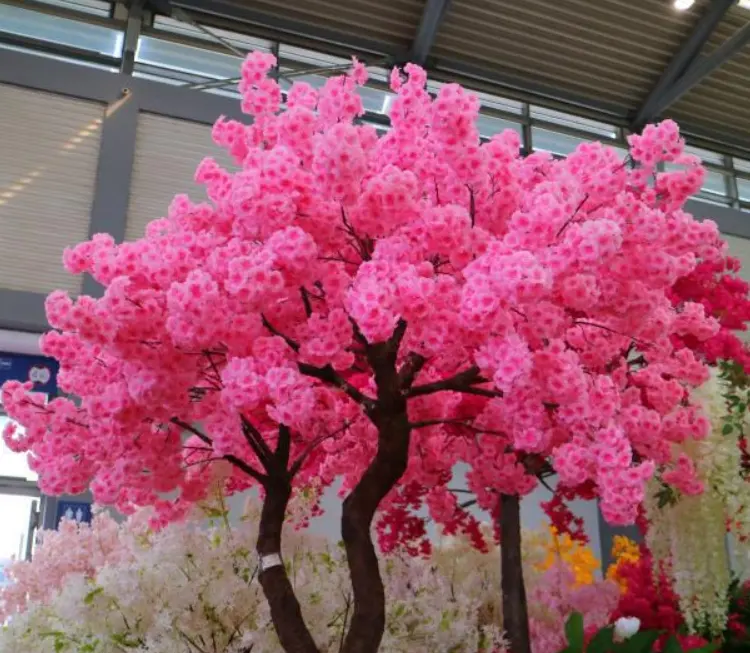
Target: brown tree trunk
515,608
285,609
389,464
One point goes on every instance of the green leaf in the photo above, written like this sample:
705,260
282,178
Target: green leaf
89,598
672,645
728,428
59,645
574,632
123,640
602,641
642,642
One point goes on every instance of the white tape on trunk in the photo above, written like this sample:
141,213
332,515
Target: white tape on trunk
270,561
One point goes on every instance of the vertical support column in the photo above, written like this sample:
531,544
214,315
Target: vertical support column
132,32
109,209
731,182
528,145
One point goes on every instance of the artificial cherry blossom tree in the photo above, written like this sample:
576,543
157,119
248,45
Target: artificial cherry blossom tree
378,310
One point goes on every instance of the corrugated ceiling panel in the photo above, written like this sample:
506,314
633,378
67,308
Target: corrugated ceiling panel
48,160
394,21
607,50
167,153
721,103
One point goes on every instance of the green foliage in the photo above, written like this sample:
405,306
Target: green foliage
737,397
89,598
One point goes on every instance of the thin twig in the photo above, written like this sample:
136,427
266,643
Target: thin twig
237,462
297,465
613,331
572,217
306,301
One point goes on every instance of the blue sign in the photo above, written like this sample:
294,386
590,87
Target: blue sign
79,511
40,370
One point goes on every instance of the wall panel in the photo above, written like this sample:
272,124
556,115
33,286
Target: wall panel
167,153
48,162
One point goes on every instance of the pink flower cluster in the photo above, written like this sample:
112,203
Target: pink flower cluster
554,278
555,596
73,549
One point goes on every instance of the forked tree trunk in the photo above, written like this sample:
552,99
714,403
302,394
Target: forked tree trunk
515,607
389,464
389,414
285,609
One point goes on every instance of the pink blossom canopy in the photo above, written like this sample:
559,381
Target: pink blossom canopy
548,280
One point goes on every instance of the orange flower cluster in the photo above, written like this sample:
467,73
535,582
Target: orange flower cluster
578,557
624,551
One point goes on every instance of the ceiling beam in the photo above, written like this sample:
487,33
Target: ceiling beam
685,56
283,25
432,17
521,88
703,67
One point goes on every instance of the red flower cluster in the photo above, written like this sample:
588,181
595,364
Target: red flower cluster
724,295
649,598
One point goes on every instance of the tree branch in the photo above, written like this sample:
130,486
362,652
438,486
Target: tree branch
612,331
237,462
455,422
409,370
328,375
358,335
572,217
306,300
293,344
248,469
189,427
297,464
461,382
257,443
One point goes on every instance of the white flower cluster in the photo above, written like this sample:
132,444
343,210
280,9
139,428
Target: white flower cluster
188,589
688,536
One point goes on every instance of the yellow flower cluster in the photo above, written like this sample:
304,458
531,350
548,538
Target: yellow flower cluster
578,557
624,550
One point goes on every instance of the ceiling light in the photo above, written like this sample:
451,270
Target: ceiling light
681,5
